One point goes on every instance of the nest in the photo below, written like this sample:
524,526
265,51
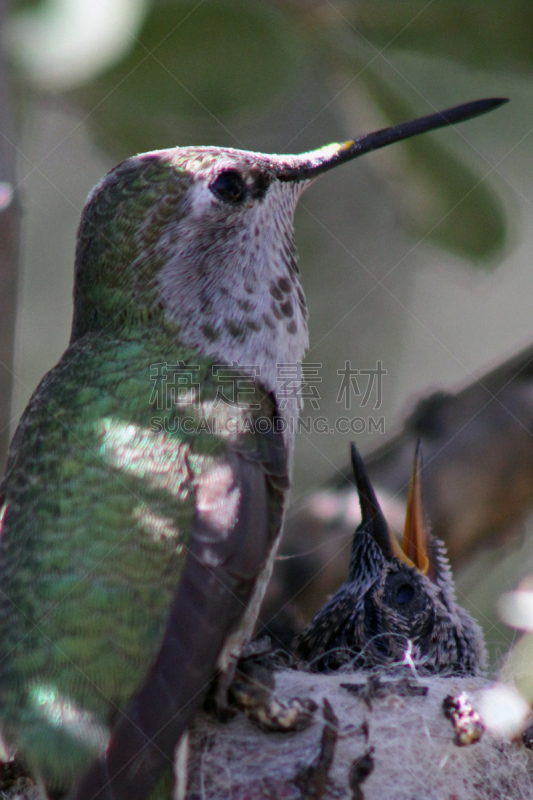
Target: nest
371,737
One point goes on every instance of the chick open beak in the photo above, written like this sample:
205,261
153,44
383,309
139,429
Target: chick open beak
414,547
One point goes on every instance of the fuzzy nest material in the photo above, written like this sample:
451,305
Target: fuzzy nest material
378,740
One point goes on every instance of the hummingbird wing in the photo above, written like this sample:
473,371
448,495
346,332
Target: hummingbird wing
215,588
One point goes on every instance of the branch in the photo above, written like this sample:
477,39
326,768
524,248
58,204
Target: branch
9,248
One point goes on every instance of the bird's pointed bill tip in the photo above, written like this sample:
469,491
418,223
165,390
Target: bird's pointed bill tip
356,458
361,477
416,535
367,498
373,521
496,102
307,166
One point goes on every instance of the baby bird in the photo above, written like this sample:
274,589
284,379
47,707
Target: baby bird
398,603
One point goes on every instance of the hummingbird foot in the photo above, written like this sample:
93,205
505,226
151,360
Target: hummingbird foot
253,692
218,701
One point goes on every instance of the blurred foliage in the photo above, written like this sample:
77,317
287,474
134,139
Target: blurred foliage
218,59
213,59
450,203
482,33
441,198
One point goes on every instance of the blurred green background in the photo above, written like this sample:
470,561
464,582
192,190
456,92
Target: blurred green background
417,256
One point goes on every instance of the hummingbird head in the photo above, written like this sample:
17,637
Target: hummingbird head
201,239
398,604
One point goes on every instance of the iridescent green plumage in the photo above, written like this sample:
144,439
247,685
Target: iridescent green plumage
100,517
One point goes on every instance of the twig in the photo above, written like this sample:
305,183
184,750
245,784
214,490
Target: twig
9,248
312,778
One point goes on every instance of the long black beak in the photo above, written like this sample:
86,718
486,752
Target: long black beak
308,165
372,519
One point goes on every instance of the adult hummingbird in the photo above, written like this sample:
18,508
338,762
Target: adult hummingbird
398,604
143,500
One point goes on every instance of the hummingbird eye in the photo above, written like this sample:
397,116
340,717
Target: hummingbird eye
229,186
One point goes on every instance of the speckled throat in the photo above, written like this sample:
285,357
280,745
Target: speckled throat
239,298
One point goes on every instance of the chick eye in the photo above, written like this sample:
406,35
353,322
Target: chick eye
404,594
229,186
